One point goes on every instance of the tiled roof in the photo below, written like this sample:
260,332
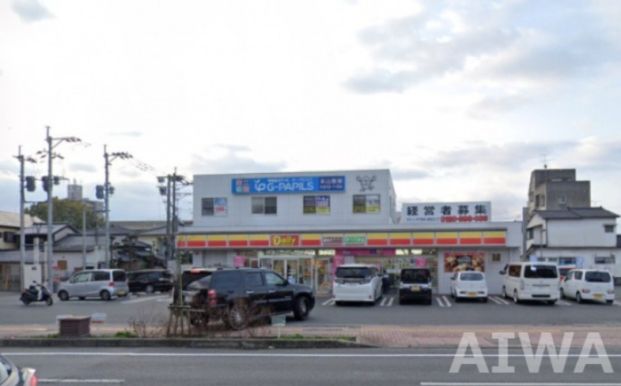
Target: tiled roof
576,213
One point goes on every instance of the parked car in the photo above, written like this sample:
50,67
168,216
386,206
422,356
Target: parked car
357,283
11,375
415,285
589,284
150,280
100,283
531,281
238,296
469,285
188,277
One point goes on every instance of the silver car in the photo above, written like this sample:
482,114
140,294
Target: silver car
100,283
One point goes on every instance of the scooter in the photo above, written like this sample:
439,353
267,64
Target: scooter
32,294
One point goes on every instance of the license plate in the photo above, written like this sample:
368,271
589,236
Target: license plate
415,288
472,294
598,296
121,293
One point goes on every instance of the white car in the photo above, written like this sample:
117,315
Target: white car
531,281
589,284
357,283
469,285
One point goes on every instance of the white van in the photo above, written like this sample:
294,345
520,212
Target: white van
357,283
531,281
589,284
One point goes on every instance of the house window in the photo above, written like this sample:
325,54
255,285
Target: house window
366,203
316,204
605,260
609,228
214,206
530,234
264,205
567,261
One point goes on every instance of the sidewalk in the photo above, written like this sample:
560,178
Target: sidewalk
397,336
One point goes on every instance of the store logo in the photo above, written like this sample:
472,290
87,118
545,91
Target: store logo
593,353
366,182
285,240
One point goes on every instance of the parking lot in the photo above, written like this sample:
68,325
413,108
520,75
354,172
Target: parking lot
387,311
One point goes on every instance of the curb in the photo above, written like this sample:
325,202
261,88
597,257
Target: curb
238,344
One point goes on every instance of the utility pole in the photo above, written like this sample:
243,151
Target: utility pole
107,190
22,201
50,212
168,224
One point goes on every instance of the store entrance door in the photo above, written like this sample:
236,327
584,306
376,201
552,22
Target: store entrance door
308,270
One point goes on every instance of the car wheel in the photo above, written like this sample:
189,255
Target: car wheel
63,296
149,289
610,302
104,295
236,317
300,308
551,302
579,297
428,301
484,300
49,301
563,294
338,304
516,299
504,292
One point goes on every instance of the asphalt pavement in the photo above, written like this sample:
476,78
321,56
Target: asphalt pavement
141,367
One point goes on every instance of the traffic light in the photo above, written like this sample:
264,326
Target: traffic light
99,192
44,183
111,190
31,184
56,180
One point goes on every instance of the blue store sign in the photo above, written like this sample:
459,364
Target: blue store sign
288,185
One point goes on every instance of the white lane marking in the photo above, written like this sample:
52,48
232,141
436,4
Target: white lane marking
617,303
328,302
272,355
384,301
494,299
81,381
440,301
140,300
448,303
563,303
516,384
501,300
392,299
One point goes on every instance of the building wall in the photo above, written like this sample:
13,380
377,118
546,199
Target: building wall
290,205
580,233
588,257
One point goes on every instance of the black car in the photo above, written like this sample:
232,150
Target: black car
188,277
238,296
11,375
415,285
150,280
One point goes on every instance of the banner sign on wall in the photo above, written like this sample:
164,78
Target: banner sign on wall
446,212
457,261
288,185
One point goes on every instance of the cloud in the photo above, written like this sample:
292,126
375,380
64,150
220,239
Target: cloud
400,174
495,104
480,40
129,133
82,167
30,10
224,158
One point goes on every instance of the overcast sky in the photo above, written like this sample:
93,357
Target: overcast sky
460,99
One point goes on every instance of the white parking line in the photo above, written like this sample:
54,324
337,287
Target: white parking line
392,299
563,303
140,300
384,301
499,300
443,301
617,303
448,302
328,302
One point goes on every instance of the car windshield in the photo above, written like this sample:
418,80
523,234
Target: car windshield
199,284
420,276
540,272
597,277
352,272
5,369
192,276
471,276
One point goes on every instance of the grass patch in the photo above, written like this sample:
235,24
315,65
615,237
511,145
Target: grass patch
303,337
125,335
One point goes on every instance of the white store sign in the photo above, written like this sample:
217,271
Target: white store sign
446,212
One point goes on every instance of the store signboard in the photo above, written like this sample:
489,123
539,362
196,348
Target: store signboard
332,240
446,212
220,207
355,240
285,240
284,185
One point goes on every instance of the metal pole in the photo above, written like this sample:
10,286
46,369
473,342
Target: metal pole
83,236
168,224
22,231
106,209
174,237
50,212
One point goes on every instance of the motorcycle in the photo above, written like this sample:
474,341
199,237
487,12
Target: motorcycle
32,294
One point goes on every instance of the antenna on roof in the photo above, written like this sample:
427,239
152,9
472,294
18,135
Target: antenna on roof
545,160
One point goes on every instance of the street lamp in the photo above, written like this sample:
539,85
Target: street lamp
108,158
51,144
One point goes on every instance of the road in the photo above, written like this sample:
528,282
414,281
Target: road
444,311
285,368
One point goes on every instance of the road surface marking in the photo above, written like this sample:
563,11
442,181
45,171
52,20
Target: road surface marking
564,303
498,300
617,303
81,381
443,301
328,302
440,302
448,303
392,299
273,355
515,384
140,300
384,301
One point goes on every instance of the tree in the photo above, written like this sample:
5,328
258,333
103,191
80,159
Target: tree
68,212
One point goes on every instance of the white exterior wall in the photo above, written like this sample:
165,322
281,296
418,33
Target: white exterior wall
580,233
290,205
